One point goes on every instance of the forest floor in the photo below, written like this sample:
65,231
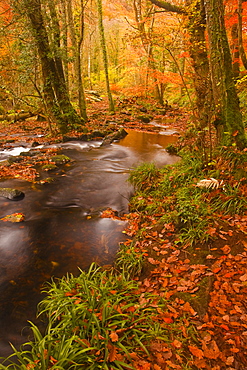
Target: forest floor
205,286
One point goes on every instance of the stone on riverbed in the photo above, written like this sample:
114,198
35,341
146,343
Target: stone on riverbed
120,134
12,194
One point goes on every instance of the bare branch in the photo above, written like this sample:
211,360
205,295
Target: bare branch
168,7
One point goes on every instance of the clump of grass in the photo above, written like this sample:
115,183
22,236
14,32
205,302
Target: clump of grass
144,176
95,321
170,193
129,260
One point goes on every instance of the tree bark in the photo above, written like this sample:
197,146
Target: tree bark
105,59
240,33
55,89
198,52
228,117
76,46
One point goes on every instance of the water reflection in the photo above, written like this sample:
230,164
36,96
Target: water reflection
63,229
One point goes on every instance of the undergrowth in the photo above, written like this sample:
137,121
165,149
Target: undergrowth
171,193
95,321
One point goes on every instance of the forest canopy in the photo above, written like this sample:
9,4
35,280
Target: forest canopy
185,52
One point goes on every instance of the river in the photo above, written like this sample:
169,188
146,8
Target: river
63,229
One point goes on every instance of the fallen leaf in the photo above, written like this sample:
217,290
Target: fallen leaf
196,352
114,336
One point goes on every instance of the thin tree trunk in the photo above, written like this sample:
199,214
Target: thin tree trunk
76,46
235,50
105,59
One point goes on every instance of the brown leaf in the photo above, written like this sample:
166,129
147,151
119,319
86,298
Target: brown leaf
112,355
211,350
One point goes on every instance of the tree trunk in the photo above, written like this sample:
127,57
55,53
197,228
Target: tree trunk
235,50
240,31
198,53
76,46
105,59
55,89
147,44
228,117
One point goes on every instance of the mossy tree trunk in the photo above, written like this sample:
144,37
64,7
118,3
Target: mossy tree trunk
228,117
77,37
55,89
196,26
104,52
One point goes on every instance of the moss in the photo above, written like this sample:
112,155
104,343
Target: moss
60,159
49,167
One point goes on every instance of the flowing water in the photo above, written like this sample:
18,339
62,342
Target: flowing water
63,229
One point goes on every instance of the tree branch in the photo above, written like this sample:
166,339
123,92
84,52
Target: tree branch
168,7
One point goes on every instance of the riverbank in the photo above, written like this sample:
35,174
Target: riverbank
185,268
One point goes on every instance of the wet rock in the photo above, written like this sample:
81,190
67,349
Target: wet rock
145,118
60,159
120,134
12,194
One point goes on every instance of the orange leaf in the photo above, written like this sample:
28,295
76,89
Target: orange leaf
196,352
114,336
177,344
112,352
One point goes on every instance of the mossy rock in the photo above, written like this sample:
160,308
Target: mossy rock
60,159
145,118
12,194
120,134
49,167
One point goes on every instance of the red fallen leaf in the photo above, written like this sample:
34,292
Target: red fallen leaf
156,367
168,320
112,355
235,133
113,336
187,308
177,344
53,360
165,282
229,360
153,261
222,237
142,365
211,350
200,363
234,350
223,326
172,365
217,269
196,352
243,277
226,249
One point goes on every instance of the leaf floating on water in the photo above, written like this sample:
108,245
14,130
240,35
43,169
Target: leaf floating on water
14,217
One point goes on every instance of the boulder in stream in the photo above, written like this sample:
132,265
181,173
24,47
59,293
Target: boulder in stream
120,134
12,194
